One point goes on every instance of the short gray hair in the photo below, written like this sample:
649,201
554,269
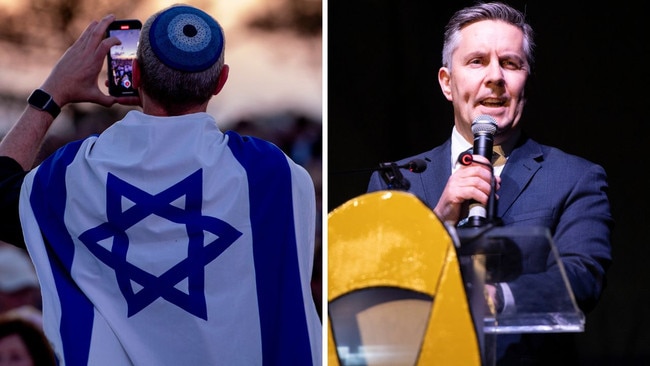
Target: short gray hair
486,11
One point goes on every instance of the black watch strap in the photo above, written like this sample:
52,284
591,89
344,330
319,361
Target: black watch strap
43,101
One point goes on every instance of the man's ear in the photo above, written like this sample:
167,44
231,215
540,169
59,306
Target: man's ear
223,77
444,79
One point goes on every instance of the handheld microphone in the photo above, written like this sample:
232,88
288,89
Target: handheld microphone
483,127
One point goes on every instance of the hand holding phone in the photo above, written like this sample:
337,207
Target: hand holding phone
120,58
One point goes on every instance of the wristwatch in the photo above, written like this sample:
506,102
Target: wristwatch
43,101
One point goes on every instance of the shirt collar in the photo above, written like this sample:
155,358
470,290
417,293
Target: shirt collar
458,145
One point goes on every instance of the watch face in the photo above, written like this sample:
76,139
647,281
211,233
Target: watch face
39,98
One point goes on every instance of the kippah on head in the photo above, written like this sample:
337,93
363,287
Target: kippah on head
186,39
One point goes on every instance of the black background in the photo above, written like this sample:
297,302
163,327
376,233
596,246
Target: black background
588,95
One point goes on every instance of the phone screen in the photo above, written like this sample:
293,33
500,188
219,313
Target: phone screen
120,57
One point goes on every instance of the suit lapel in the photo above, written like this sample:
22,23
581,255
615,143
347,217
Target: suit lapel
434,179
522,165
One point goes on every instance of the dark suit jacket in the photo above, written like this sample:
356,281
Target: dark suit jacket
540,186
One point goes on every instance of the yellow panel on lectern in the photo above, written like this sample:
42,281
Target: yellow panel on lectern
391,239
377,232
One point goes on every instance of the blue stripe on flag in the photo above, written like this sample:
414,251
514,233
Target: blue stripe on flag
47,200
285,338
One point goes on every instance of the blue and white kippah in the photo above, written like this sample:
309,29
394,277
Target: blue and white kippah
186,39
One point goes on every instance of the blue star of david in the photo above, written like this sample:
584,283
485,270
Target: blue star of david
190,268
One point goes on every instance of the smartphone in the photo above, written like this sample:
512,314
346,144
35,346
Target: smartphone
120,58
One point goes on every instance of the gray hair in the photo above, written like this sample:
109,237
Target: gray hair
486,11
174,90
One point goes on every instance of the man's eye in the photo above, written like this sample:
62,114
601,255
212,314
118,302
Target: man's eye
511,65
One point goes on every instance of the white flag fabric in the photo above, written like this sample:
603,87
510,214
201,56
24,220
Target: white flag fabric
164,241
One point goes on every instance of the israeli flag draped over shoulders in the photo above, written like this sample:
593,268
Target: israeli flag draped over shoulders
164,241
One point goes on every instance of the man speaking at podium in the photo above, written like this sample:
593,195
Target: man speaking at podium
486,61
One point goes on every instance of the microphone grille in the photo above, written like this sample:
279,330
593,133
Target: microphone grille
484,124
